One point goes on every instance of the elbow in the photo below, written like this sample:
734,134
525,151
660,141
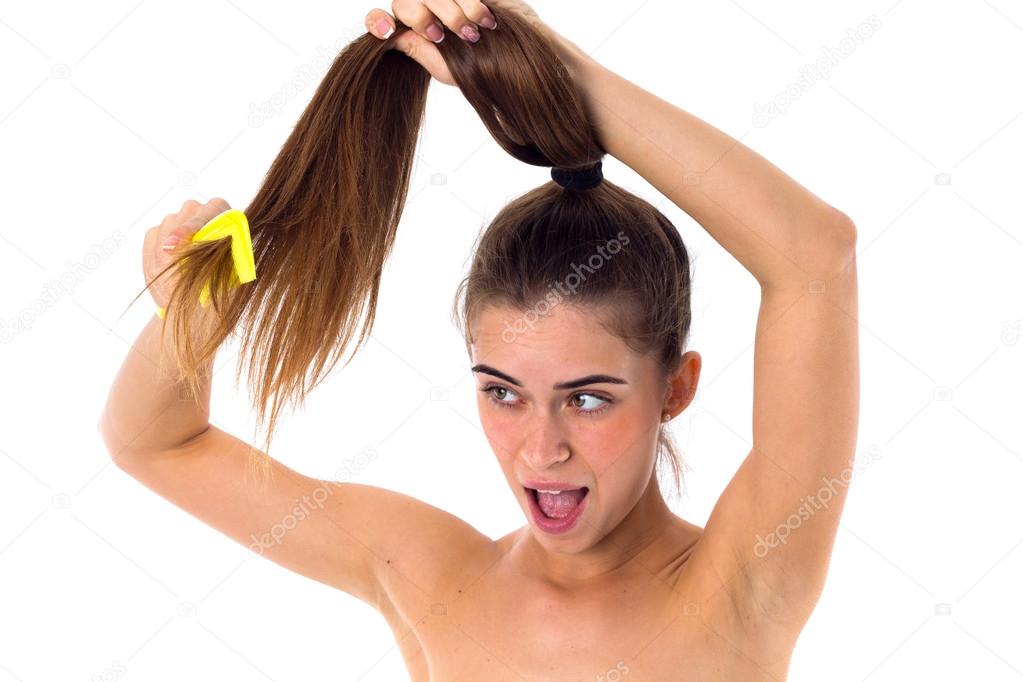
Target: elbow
821,248
110,442
844,238
827,247
119,447
843,232
116,446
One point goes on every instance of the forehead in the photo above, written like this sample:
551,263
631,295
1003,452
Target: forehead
560,340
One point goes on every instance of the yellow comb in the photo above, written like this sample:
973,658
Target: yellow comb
231,223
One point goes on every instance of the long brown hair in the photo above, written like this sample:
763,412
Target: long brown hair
324,220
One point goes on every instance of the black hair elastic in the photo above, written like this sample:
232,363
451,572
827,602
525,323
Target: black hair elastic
578,178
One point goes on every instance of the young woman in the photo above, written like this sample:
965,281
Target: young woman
576,316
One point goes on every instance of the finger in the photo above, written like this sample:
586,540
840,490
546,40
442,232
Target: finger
154,260
167,234
426,54
415,15
479,13
451,14
182,230
204,214
188,209
380,24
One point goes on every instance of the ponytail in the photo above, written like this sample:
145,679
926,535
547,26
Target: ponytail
324,219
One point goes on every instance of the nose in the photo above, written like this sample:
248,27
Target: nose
545,445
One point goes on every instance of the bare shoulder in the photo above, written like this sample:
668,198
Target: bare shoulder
428,550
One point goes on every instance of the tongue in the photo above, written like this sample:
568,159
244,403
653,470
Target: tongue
561,505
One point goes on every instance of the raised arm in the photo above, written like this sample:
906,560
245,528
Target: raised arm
770,536
367,541
776,228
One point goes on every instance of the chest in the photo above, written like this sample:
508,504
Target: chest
503,629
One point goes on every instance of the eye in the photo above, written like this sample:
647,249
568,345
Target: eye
594,410
492,390
497,392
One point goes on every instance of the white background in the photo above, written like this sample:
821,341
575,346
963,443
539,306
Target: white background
112,114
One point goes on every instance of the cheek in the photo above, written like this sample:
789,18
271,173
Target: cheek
615,444
499,432
621,456
623,473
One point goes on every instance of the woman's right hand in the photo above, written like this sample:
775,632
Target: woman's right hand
161,241
427,19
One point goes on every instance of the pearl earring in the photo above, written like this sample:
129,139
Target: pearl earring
665,417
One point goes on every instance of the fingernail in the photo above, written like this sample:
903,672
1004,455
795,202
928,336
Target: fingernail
470,33
384,28
171,242
435,33
489,23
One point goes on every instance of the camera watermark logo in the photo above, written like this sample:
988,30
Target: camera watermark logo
615,674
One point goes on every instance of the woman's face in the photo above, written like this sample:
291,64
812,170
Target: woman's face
601,435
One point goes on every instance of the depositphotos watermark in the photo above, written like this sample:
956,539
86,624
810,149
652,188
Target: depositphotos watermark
811,74
116,670
306,75
1012,332
565,287
74,273
308,503
811,504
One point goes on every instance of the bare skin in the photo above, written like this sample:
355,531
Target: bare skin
632,591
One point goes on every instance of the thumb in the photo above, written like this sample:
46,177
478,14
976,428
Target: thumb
425,53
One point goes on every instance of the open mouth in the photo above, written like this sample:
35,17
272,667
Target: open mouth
558,505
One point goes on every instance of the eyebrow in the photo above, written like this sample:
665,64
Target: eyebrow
574,383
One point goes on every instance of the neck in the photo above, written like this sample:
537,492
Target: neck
622,547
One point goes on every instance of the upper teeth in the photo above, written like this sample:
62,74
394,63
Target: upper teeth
552,492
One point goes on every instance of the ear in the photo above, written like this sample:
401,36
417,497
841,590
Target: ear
682,386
